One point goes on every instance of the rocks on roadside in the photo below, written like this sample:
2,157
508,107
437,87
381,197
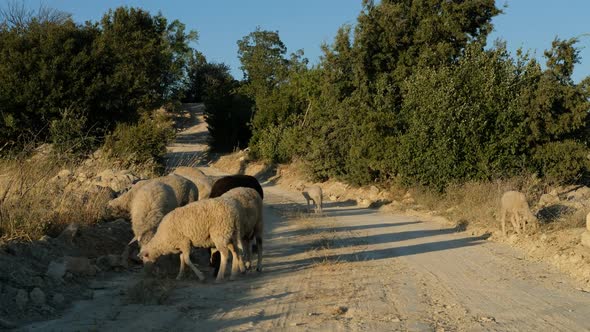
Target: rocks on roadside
22,298
109,262
37,296
75,265
548,199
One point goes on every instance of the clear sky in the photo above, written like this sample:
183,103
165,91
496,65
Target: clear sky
305,24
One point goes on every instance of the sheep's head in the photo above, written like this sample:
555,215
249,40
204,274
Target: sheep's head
148,256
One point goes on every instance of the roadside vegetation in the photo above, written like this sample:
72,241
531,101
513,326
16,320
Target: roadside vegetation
414,95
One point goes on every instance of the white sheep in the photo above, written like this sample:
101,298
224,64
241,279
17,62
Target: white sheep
150,203
207,223
184,190
514,203
202,181
313,193
252,225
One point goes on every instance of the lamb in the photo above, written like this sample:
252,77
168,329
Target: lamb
515,204
229,182
251,222
196,176
207,223
151,202
184,190
313,193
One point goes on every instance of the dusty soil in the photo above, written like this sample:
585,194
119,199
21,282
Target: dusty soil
350,269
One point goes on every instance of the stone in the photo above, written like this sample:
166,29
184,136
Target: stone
579,194
374,190
58,299
64,173
56,270
22,298
548,199
108,262
70,232
37,296
79,266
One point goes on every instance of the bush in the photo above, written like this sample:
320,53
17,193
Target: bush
562,162
129,63
142,145
68,134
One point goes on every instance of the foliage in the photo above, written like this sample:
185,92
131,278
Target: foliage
141,144
412,94
227,112
68,134
112,71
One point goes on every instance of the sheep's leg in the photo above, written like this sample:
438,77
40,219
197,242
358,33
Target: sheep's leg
514,221
181,271
234,262
308,208
187,260
247,254
240,254
523,222
321,206
503,222
223,253
259,245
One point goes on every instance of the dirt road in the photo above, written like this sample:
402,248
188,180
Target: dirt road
351,269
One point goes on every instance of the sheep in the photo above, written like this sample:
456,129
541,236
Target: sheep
184,190
207,223
203,182
251,222
229,182
515,204
313,193
150,203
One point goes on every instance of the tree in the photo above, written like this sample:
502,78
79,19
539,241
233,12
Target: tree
102,73
227,112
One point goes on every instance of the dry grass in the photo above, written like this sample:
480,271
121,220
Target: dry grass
32,206
478,203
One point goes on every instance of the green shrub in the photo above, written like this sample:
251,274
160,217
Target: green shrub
562,162
142,144
69,135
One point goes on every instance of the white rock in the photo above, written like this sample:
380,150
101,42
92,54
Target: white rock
56,270
37,296
22,298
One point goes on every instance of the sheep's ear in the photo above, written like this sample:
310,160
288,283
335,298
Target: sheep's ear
133,240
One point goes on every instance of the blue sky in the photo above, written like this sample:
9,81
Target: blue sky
305,24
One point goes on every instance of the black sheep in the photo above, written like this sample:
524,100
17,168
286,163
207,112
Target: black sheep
230,182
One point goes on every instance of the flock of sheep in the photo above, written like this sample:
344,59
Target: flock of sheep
185,209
